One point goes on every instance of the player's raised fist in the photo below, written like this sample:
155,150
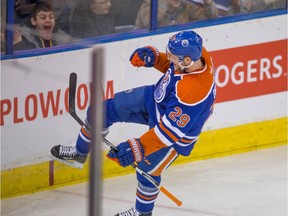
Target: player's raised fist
146,56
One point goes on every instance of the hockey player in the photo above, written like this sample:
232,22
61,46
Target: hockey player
175,109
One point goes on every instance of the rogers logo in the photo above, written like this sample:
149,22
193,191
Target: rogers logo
250,71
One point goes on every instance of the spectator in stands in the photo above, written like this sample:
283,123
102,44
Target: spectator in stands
224,7
3,34
62,9
38,31
230,7
247,6
125,11
22,9
91,18
171,12
17,37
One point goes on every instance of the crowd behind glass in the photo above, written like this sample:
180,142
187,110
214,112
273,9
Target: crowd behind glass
42,24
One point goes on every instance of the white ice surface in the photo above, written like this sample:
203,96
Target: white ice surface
248,184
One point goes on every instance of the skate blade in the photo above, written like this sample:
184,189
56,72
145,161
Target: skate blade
71,163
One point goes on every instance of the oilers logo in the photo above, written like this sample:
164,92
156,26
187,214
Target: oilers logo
160,90
185,43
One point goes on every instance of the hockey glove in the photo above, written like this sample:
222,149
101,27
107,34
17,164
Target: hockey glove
145,56
128,152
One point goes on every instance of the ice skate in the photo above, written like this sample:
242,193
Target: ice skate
68,155
132,212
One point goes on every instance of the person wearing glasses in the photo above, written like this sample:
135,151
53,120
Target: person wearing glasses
91,18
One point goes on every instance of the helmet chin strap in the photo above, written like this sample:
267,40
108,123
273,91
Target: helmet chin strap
174,59
185,66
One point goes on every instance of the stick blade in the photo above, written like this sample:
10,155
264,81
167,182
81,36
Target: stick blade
171,196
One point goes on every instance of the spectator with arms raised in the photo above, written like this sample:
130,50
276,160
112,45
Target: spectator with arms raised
39,29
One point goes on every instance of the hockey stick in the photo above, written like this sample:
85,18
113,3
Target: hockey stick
72,96
72,111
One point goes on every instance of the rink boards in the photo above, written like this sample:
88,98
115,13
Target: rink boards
250,111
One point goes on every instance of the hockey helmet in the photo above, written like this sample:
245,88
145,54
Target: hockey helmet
185,43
